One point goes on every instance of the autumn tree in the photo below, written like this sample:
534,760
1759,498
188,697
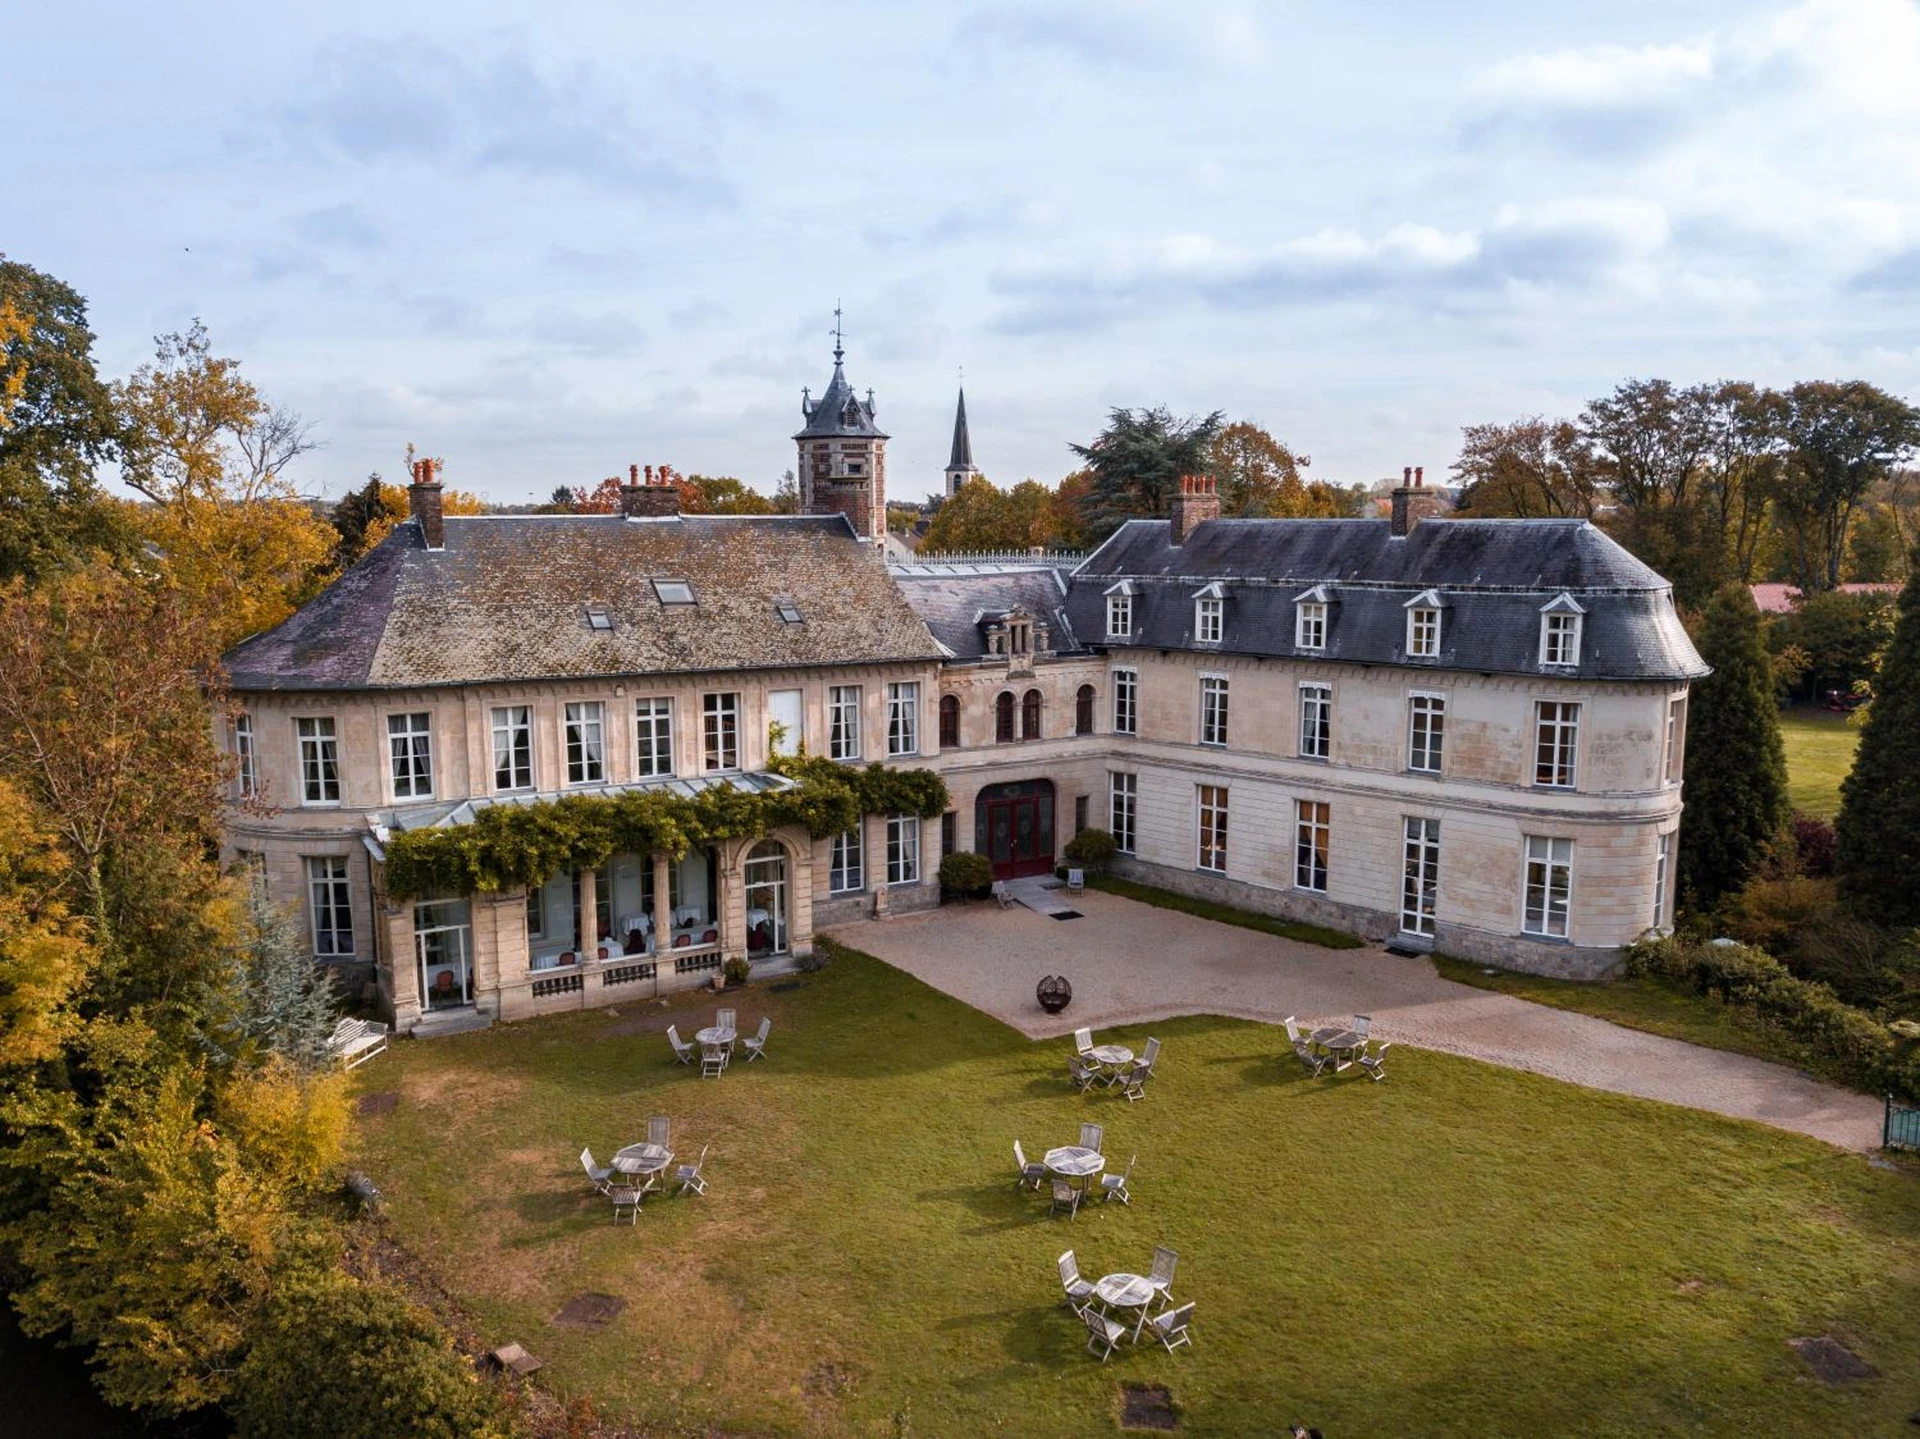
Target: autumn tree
1840,439
1136,463
726,495
1736,767
1878,830
210,455
56,427
1530,469
1739,471
975,518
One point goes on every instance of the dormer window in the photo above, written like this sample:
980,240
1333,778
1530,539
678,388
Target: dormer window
1560,624
788,612
1019,637
673,592
1310,619
1209,615
1120,615
598,618
1423,626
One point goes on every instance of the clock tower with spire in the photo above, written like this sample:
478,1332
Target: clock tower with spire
843,453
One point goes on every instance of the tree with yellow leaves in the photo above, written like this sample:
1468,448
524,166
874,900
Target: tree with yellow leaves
210,455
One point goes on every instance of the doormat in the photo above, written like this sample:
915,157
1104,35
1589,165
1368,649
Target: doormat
1832,1361
1065,914
589,1311
1146,1406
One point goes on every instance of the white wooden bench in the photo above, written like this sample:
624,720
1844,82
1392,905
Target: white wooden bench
355,1041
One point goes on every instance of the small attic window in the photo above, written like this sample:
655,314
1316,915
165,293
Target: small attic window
673,592
788,611
598,618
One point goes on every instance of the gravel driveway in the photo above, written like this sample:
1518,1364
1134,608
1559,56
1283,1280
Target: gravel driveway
1130,963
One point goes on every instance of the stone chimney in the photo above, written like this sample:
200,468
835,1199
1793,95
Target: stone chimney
423,498
1413,501
1196,503
652,500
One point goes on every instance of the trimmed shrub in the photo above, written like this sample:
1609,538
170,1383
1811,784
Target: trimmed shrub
337,1359
965,873
1091,849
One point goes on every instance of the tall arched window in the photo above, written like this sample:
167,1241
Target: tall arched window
1083,710
1030,715
1003,717
949,722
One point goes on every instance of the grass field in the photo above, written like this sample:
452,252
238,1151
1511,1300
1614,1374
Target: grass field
1820,750
1460,1250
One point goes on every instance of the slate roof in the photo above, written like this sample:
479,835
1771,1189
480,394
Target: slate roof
1493,577
507,599
957,604
839,412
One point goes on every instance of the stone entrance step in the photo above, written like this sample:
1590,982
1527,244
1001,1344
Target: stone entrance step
1042,896
438,1023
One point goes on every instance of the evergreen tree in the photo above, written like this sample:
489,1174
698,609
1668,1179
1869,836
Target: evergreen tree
1736,767
281,1001
1878,831
1135,465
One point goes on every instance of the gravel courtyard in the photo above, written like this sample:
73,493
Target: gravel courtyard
1130,963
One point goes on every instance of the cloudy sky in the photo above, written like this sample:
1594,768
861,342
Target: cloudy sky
545,242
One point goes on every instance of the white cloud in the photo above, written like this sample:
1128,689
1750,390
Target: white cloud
1599,75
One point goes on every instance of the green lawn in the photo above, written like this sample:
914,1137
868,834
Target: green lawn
1820,750
1460,1250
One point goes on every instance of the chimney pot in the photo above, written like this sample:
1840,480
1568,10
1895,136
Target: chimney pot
1196,503
1406,474
1419,474
424,501
633,474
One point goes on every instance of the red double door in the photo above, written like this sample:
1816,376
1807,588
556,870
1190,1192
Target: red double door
1020,835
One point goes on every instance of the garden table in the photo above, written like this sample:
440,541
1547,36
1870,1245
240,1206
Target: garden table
648,1159
713,1034
1111,1055
1126,1291
1340,1042
1075,1162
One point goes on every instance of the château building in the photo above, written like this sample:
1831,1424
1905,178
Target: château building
1461,734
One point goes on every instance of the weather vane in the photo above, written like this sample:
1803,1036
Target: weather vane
837,337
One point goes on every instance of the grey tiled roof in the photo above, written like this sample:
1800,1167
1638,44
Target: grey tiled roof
1493,577
957,604
507,599
839,411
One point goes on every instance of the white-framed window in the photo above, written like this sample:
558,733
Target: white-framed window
903,849
513,747
410,752
1313,831
330,901
846,867
247,775
1549,896
843,722
1213,828
1423,633
1119,617
1123,793
1560,637
1556,741
1316,721
1662,867
903,718
1420,877
1676,738
1213,709
1310,625
1426,731
1126,702
653,737
319,761
1209,620
586,722
720,731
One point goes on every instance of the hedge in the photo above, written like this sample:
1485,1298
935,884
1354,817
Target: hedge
1855,1046
508,846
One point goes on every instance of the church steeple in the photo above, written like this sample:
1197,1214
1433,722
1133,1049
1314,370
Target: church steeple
960,467
843,452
